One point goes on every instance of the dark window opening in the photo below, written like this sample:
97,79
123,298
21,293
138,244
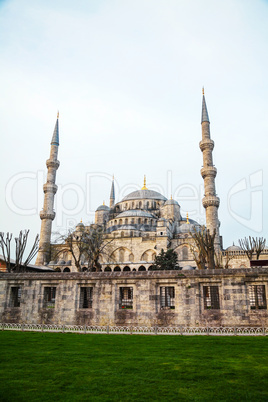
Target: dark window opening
49,297
257,297
85,297
211,297
126,298
15,296
167,297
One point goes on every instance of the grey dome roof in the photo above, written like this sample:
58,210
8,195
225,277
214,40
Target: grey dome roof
80,225
103,208
187,268
233,248
144,194
133,213
188,227
171,202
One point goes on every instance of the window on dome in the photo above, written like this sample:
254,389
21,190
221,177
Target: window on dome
126,221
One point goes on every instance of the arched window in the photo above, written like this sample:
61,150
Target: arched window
126,269
144,257
139,221
121,255
117,269
145,221
142,268
126,221
107,269
131,233
133,204
84,269
132,220
115,222
122,234
140,204
131,257
120,221
147,204
185,253
150,268
66,269
57,269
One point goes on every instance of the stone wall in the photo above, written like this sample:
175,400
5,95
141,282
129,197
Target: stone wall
187,307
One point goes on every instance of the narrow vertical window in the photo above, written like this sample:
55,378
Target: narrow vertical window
86,294
167,297
15,296
211,297
49,297
257,297
126,297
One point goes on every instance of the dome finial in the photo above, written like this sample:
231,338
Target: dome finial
144,184
187,218
171,197
81,221
103,202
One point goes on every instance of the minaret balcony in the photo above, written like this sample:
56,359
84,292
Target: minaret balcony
211,201
50,188
47,215
208,171
52,164
206,144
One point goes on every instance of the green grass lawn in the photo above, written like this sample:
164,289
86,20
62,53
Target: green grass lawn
72,367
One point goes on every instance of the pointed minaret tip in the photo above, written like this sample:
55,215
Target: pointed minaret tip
204,116
58,114
55,137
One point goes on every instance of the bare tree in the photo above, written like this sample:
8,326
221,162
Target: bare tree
252,245
204,243
259,246
21,243
87,243
198,255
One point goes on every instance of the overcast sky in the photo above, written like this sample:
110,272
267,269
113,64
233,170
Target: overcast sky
127,77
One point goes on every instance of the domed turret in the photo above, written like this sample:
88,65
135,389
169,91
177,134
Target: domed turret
102,214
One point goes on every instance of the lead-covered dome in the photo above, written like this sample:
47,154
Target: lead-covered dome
103,208
144,194
134,213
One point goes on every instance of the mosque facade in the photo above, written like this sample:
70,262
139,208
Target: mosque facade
140,225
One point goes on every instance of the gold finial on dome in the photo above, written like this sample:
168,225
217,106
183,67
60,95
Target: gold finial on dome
144,184
187,218
81,221
171,197
103,203
203,91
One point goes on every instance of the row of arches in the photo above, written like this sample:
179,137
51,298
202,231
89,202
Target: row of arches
124,254
132,221
137,205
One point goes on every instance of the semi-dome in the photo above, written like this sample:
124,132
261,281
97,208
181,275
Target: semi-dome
144,194
192,226
134,213
103,208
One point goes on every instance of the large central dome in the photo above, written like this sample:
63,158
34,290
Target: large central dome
144,194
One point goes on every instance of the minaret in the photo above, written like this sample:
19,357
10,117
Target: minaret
210,201
47,214
112,197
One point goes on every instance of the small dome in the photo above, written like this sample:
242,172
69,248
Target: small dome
103,208
233,248
171,202
144,195
187,268
187,227
80,226
134,213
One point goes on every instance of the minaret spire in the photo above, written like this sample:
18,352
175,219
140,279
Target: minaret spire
210,201
47,214
112,196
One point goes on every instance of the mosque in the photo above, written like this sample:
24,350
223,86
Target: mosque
142,223
137,228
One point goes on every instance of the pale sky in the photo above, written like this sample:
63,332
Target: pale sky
127,78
